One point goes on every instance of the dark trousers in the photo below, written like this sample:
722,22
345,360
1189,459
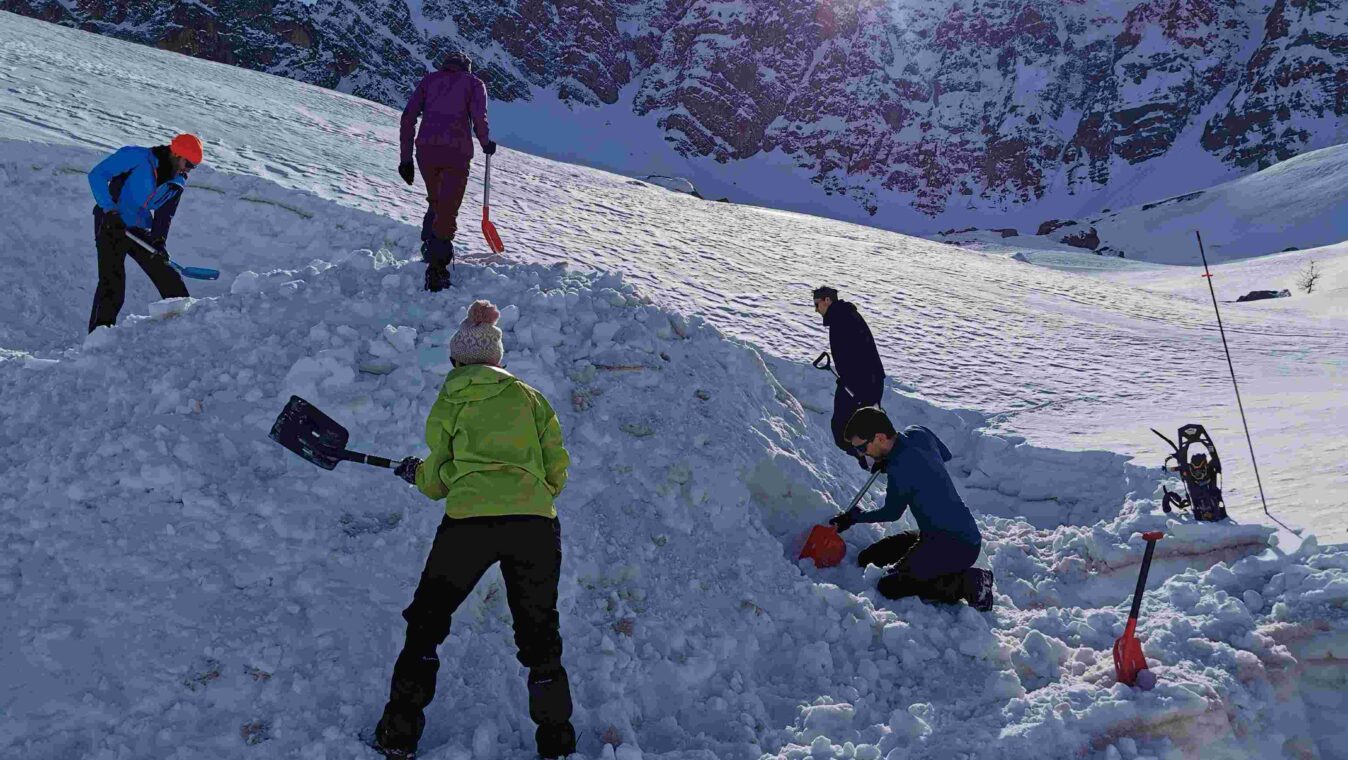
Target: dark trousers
530,552
111,290
844,406
445,186
928,565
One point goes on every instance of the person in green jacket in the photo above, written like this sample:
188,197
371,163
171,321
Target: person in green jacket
498,462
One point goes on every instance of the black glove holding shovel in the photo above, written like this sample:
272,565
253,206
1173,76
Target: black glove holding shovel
407,469
842,522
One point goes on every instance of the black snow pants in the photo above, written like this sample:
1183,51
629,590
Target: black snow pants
845,405
111,291
530,552
930,566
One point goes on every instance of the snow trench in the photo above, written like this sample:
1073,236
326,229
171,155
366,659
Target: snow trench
178,585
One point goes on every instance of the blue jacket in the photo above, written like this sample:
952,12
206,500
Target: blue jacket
917,478
854,354
135,182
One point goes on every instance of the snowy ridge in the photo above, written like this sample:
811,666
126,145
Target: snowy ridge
915,115
1298,203
179,582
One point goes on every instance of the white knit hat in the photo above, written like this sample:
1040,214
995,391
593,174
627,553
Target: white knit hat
478,340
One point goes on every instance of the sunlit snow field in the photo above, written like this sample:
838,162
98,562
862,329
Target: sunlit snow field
178,585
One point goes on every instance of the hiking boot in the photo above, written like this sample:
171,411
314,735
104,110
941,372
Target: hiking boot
437,278
390,753
978,588
555,741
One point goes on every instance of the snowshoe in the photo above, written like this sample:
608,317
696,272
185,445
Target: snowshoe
978,588
1200,473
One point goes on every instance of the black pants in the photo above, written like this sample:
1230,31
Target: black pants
844,406
929,566
111,290
530,552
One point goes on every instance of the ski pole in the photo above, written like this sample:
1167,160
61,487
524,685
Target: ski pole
1207,274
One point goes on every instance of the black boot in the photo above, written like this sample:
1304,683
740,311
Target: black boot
437,278
550,708
978,588
438,254
555,741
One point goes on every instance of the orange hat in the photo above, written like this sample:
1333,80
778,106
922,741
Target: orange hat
188,146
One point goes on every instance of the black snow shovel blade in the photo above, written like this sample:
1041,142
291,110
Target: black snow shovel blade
307,431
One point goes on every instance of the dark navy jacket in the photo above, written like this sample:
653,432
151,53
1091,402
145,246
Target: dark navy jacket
854,353
917,478
139,183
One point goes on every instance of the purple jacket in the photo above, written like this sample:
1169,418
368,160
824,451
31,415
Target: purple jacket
446,102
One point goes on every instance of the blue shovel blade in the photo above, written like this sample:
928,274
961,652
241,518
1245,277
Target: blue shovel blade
196,273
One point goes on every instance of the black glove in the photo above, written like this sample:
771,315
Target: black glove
861,460
489,148
845,520
406,171
161,253
880,465
112,223
407,469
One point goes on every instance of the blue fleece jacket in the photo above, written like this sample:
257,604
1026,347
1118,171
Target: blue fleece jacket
128,182
917,478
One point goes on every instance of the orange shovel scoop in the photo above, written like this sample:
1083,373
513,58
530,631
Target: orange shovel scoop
824,545
1128,657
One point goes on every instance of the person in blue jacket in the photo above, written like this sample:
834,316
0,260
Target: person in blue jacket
861,374
137,189
936,561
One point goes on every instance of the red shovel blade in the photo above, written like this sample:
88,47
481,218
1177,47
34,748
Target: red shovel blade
489,232
1128,657
824,546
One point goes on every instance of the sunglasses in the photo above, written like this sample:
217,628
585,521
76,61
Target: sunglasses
860,449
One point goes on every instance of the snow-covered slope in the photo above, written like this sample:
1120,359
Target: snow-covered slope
1299,203
1069,361
177,584
1282,271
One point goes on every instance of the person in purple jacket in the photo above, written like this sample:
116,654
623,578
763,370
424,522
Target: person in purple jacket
452,106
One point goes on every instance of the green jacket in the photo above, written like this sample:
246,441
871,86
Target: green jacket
496,447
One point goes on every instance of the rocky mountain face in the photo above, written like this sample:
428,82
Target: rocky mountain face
928,109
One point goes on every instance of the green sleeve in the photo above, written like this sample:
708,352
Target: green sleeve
555,458
439,440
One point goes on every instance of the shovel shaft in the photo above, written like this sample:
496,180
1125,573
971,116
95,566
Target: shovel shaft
355,456
825,361
862,492
1141,582
486,188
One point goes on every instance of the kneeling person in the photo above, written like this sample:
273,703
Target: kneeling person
936,562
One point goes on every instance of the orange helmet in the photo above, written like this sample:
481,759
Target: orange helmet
187,146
